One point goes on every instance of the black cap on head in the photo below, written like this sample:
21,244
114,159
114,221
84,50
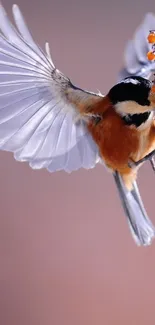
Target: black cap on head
131,89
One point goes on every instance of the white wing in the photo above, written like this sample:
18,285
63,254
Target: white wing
135,56
39,106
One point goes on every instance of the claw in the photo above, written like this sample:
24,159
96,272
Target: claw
147,157
150,156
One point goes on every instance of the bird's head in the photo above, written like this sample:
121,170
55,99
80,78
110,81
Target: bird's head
133,95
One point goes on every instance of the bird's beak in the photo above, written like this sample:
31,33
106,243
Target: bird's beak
152,96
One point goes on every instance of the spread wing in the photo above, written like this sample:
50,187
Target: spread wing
40,109
135,55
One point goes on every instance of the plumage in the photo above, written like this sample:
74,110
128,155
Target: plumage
116,132
39,106
49,122
136,119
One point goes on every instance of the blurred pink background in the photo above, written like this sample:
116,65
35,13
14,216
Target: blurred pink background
66,254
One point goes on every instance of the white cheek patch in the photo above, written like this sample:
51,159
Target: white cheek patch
130,107
125,108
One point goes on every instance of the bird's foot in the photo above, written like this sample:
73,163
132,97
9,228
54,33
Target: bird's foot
150,157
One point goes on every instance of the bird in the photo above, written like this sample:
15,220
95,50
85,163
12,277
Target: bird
50,123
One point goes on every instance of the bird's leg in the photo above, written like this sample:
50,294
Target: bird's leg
150,157
152,163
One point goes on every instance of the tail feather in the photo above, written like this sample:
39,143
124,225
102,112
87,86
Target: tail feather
140,225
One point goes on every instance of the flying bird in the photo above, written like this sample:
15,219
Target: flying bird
49,122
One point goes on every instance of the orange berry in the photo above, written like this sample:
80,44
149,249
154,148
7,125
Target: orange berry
151,38
150,56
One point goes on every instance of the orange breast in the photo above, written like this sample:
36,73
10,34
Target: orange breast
117,142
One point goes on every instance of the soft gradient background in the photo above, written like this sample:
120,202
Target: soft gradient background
66,253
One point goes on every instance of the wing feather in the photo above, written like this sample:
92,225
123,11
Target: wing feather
39,106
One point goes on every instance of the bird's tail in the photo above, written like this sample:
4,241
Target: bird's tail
141,226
